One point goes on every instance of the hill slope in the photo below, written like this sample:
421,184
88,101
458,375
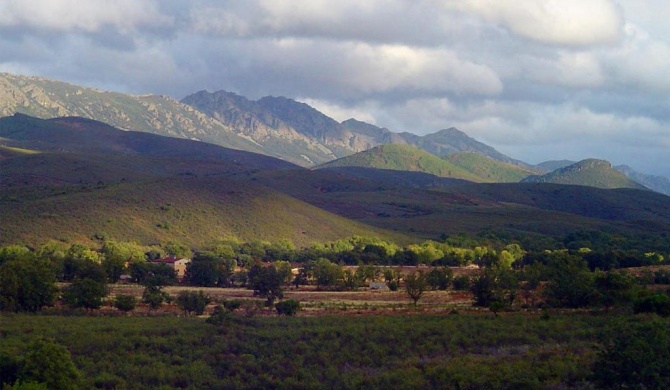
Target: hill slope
590,172
657,183
83,179
402,158
488,169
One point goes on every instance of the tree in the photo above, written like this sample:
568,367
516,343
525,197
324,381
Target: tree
326,273
86,293
415,285
288,307
207,269
284,270
570,283
440,278
193,302
125,303
154,274
392,278
177,249
26,285
496,288
462,282
50,363
154,296
615,288
266,282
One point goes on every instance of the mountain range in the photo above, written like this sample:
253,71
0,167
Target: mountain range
79,180
107,148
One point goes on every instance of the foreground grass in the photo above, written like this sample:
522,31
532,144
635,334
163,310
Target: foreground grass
412,351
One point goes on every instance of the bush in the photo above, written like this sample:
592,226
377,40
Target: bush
462,283
635,356
191,301
288,307
125,303
656,303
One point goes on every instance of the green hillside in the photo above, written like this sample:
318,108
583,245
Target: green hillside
488,169
80,180
195,211
590,172
402,158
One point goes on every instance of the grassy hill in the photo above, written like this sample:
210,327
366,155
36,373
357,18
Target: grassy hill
402,158
488,169
75,180
590,172
195,211
81,179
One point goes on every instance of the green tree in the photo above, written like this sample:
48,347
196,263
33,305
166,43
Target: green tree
207,269
85,293
26,285
326,273
440,278
50,363
284,270
392,278
615,288
462,283
415,285
154,296
193,302
117,255
496,287
177,249
266,282
569,282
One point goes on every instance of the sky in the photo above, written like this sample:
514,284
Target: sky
537,79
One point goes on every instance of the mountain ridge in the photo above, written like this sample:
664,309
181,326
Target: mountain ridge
589,172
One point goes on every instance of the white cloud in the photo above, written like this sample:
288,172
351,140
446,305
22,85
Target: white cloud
564,22
362,112
74,15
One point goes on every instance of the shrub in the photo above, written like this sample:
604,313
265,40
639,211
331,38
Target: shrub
288,307
191,301
656,303
125,303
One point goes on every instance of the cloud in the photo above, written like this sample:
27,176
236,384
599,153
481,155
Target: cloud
556,76
562,22
88,16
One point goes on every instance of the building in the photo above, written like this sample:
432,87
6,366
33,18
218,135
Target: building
176,263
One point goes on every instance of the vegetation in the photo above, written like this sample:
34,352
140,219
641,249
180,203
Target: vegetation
487,169
403,158
427,351
591,172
